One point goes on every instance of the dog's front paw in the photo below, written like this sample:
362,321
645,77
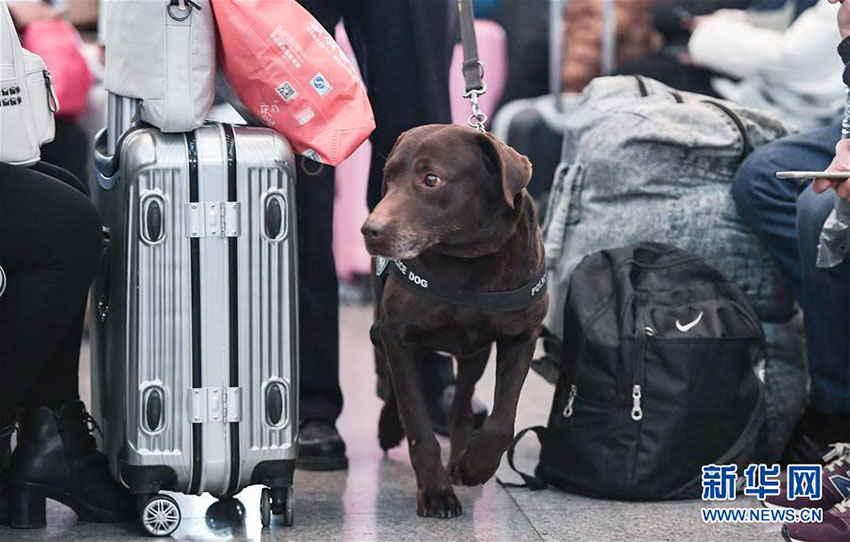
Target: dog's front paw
476,465
438,503
390,430
470,473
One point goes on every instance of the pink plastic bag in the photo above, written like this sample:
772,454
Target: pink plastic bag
57,42
292,76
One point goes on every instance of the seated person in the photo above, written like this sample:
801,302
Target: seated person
788,217
50,250
769,59
789,69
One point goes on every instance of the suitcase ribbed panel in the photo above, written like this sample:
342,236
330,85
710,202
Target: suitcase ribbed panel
269,315
164,336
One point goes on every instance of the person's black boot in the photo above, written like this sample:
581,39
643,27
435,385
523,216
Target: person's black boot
320,447
439,387
5,454
438,409
56,457
812,436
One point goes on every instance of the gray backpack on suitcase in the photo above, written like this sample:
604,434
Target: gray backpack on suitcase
195,341
644,162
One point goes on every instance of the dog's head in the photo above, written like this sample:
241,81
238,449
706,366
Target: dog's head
446,185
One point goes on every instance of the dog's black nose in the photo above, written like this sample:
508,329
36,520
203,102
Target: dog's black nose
372,230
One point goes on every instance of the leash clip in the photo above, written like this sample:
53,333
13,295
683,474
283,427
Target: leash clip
478,118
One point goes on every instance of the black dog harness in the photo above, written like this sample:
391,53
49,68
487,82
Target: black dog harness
412,278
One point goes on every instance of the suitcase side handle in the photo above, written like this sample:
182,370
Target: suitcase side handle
105,165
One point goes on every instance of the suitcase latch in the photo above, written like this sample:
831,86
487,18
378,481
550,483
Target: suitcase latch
221,405
211,218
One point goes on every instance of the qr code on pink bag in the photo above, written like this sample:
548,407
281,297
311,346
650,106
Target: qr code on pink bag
286,91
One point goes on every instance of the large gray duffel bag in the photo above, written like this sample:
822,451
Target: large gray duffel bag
644,162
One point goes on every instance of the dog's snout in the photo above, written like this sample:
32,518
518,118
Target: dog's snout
373,230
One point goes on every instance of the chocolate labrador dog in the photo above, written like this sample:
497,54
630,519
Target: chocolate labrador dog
466,272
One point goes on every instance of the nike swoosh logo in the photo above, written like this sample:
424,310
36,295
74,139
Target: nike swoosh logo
687,327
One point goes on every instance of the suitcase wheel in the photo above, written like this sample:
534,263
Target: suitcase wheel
289,507
277,501
160,515
265,507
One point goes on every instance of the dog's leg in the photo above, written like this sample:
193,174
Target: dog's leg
484,451
469,371
390,430
435,496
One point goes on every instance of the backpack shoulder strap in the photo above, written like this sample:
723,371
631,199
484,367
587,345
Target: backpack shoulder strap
529,481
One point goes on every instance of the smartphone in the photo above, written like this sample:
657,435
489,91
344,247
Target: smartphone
841,175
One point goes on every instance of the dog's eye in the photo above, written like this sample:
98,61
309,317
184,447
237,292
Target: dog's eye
431,180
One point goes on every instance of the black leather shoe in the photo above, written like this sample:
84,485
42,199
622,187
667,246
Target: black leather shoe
320,447
5,454
56,458
814,433
438,409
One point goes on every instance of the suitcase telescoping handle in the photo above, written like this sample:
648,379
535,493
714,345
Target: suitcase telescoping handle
121,117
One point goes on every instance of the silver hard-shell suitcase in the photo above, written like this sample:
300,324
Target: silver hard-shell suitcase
195,342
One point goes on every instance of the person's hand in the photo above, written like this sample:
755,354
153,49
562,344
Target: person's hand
843,17
692,23
841,162
23,13
656,41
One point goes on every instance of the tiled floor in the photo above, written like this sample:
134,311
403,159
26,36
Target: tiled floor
375,498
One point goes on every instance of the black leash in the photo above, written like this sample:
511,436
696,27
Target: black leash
473,69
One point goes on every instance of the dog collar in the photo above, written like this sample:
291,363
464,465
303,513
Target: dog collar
412,278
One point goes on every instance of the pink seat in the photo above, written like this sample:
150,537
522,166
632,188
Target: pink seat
350,210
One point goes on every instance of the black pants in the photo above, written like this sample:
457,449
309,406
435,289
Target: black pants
69,149
50,243
404,49
526,23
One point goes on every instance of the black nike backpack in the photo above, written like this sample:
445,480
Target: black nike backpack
662,373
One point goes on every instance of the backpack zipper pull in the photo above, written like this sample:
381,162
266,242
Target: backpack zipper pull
568,410
637,412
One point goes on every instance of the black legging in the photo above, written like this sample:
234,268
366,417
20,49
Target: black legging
50,244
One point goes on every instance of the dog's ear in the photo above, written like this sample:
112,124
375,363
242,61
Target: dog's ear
512,168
